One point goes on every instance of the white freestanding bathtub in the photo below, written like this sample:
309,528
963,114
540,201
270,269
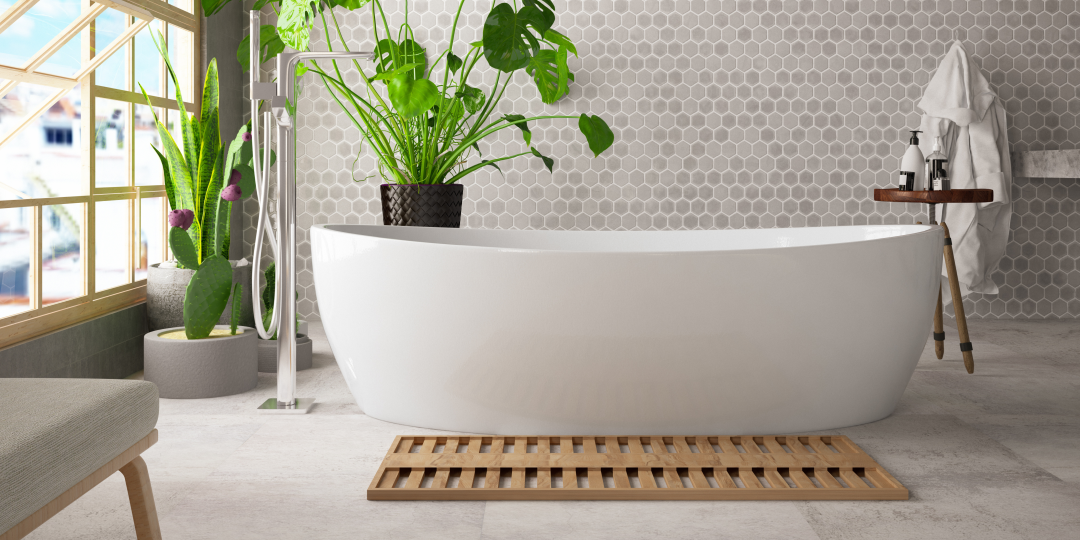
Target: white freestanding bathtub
651,333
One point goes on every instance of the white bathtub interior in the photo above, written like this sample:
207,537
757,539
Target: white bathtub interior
635,241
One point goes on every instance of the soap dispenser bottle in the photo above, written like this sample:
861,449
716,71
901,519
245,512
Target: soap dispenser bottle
936,173
911,166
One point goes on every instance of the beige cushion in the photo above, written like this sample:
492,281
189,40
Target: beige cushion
55,432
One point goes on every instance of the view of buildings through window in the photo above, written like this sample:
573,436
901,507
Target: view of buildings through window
115,179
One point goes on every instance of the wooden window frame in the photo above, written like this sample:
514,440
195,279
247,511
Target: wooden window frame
39,320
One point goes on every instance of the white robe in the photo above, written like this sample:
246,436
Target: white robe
964,111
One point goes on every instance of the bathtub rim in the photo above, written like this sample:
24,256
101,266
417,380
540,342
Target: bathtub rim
925,229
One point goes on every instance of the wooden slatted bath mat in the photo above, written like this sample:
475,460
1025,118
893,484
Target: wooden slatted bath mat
475,468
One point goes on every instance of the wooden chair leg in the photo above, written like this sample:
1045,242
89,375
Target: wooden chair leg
939,328
958,304
141,496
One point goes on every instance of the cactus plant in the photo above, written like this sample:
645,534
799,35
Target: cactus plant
202,180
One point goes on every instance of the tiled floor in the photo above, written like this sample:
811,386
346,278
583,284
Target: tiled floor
990,455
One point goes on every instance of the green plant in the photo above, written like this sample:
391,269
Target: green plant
201,201
422,120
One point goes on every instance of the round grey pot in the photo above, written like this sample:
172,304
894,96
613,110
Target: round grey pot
268,354
165,288
201,368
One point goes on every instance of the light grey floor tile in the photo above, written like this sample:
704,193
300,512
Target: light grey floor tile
640,520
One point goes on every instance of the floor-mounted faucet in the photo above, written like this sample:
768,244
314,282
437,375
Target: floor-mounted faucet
281,98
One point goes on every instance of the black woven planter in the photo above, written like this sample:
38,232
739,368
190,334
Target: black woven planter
422,205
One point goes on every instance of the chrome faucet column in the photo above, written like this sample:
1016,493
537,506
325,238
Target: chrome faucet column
281,99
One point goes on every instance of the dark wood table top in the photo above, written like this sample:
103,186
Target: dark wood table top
935,197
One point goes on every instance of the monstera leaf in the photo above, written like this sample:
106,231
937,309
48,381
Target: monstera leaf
294,23
508,42
269,42
549,72
407,56
411,98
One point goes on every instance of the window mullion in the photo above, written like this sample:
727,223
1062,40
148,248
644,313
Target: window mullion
35,258
89,142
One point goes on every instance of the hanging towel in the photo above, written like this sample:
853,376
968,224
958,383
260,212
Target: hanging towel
961,108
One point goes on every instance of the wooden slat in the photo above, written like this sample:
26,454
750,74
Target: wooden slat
726,446
724,479
746,466
852,479
698,479
622,480
775,479
748,478
704,446
645,476
543,479
569,478
801,480
596,479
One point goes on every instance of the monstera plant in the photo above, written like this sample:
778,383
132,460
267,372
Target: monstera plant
423,117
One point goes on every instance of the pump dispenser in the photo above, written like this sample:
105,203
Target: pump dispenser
912,165
936,173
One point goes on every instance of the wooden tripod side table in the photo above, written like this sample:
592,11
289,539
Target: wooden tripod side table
934,198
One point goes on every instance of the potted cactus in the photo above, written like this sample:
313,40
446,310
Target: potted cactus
203,359
188,165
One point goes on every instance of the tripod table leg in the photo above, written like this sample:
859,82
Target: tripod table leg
958,304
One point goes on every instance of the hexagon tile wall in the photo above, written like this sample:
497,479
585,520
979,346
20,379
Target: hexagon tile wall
734,114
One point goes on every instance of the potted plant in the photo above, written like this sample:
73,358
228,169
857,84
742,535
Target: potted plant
187,189
268,347
423,120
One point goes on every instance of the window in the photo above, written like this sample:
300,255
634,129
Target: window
82,197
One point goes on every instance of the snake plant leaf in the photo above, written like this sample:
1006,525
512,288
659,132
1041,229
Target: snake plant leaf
560,41
294,23
188,134
211,230
548,162
210,97
550,73
597,132
472,98
182,248
412,98
453,62
526,133
178,166
269,41
221,230
170,188
208,165
393,57
508,42
206,296
237,295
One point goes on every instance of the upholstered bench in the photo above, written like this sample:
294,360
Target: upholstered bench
61,437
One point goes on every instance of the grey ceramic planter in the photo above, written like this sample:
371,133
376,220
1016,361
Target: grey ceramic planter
165,288
201,368
268,354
